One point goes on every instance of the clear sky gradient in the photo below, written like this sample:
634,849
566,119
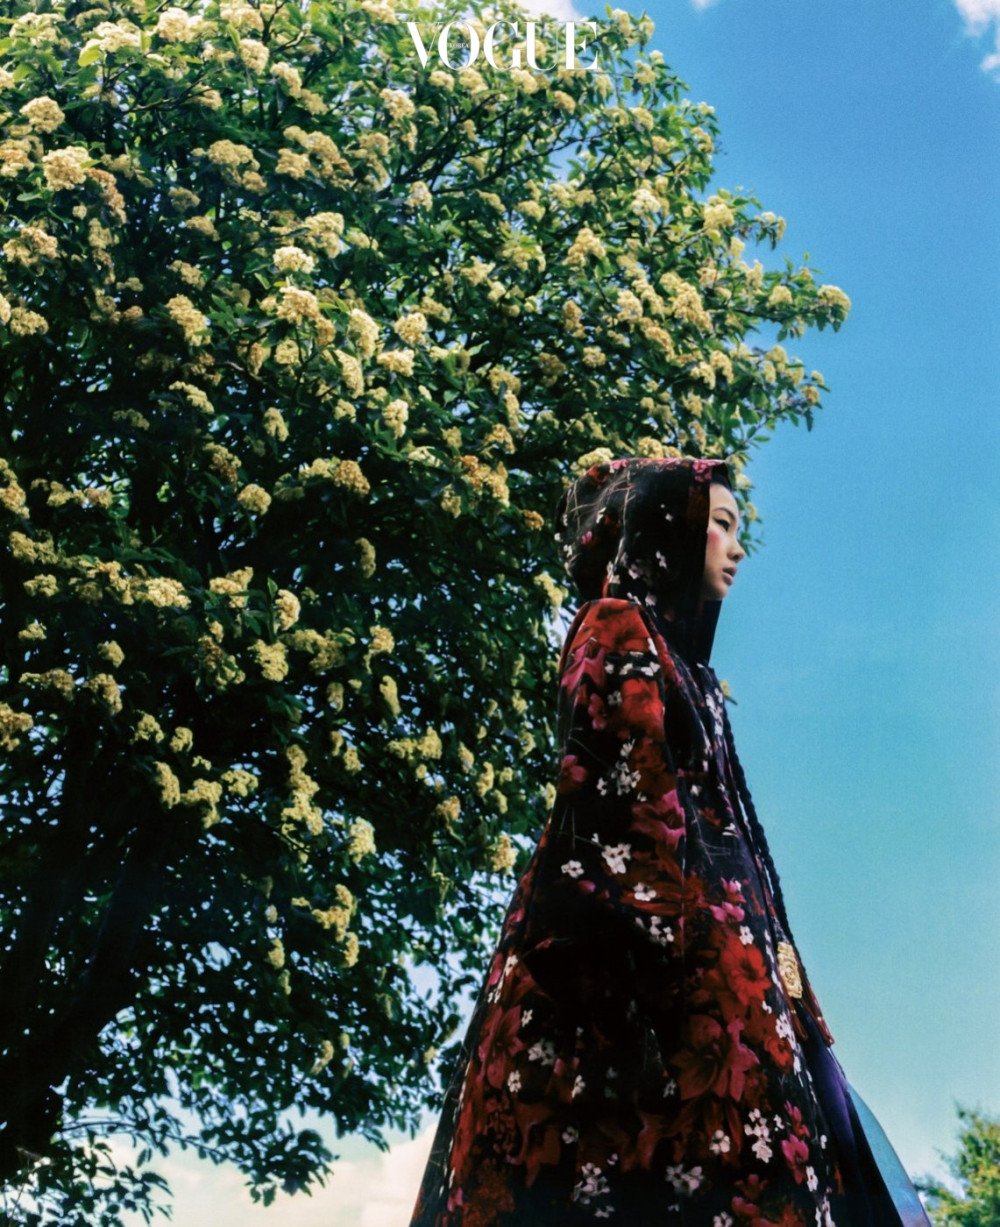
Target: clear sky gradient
860,642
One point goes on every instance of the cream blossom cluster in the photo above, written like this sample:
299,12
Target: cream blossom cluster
223,462
106,690
194,395
411,328
365,332
366,557
274,424
398,361
419,195
12,495
344,473
240,14
35,28
168,784
205,793
555,592
716,214
686,303
323,232
833,296
351,372
389,692
427,746
325,650
15,156
397,103
175,25
234,585
239,782
502,854
26,323
585,244
272,659
297,305
336,917
43,113
13,724
289,77
30,246
448,811
292,259
52,679
188,318
111,36
182,740
483,479
301,810
147,728
254,54
287,608
360,839
65,168
395,415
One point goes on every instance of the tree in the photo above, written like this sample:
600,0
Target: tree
300,343
976,1168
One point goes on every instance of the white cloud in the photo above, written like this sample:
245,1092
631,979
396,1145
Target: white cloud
371,1188
978,11
982,16
561,10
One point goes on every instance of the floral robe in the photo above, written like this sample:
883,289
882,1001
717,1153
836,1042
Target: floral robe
634,1054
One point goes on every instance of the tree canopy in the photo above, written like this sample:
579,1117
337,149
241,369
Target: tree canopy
975,1167
299,344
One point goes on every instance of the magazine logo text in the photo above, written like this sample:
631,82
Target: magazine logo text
524,54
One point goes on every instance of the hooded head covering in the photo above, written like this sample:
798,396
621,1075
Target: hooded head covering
636,528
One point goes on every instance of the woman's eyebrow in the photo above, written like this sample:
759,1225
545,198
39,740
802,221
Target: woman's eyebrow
729,512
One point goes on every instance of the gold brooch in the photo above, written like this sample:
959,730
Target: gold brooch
788,966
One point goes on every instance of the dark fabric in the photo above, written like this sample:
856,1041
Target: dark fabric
634,1053
879,1193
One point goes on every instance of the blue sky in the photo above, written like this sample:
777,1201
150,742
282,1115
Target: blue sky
860,642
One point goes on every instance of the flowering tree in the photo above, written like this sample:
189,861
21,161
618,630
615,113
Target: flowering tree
299,343
975,1168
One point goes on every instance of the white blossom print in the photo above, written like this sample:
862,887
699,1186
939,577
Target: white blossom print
625,780
590,1185
544,1051
616,856
720,1143
684,1181
784,1028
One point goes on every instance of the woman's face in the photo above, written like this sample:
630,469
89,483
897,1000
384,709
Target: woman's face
722,549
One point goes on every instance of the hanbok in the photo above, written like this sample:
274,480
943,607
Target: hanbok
646,1047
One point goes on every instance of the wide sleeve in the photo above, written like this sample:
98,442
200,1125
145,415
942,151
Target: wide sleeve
612,907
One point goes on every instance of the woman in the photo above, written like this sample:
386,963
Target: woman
646,1046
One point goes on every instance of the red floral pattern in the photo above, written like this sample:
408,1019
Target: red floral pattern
633,1054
